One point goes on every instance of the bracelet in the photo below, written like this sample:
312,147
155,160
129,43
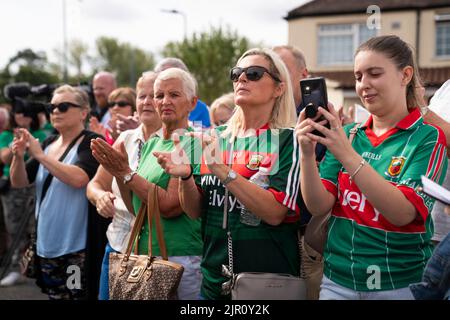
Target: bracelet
361,164
189,176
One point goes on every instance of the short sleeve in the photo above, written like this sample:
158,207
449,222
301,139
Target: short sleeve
430,160
6,137
284,181
86,160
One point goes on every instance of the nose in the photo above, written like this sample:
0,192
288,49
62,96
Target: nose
242,77
148,99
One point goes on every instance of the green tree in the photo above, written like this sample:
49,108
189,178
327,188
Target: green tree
209,57
126,61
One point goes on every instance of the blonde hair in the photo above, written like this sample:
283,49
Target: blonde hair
226,100
283,113
146,76
81,97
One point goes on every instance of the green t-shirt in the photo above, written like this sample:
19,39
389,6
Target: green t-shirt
262,248
181,234
365,252
6,137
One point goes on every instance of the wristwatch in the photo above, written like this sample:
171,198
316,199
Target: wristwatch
127,178
232,175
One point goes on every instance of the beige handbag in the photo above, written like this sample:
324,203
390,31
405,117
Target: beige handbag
144,277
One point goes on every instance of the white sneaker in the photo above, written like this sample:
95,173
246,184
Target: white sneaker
11,279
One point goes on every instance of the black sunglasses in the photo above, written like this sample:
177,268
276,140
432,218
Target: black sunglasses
62,107
119,103
253,73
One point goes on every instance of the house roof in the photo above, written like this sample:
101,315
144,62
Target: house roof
432,77
331,7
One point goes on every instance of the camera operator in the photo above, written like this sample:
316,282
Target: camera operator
16,202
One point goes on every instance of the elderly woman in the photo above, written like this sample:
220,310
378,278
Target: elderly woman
174,91
61,169
264,240
103,191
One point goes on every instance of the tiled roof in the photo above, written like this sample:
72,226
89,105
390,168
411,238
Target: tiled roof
331,7
432,77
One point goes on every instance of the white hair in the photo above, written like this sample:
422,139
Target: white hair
186,78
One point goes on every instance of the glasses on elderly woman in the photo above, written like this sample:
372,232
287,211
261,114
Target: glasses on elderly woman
62,107
121,104
253,73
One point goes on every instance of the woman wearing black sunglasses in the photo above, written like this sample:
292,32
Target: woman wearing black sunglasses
258,135
61,169
120,101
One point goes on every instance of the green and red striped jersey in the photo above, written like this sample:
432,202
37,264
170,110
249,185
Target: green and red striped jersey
364,251
264,248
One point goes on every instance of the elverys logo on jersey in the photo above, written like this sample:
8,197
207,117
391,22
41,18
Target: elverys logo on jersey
396,166
255,161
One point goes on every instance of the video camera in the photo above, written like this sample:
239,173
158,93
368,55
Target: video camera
31,100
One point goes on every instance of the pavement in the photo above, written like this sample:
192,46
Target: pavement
23,291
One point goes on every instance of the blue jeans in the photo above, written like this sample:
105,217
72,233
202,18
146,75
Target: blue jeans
435,283
104,275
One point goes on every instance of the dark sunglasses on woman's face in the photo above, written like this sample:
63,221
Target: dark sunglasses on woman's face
119,103
62,107
253,73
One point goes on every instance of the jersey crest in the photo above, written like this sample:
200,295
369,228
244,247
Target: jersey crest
255,161
396,166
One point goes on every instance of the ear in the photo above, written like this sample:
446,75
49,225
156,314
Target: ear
193,103
84,114
279,89
407,74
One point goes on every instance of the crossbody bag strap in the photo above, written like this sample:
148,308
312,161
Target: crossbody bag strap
49,177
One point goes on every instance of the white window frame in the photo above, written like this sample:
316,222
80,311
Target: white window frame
354,32
440,18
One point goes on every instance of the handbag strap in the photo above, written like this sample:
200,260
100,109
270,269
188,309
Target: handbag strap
137,226
153,213
150,211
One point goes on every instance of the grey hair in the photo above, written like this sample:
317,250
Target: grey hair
170,62
186,78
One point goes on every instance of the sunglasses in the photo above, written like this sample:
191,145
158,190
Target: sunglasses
119,103
253,73
62,107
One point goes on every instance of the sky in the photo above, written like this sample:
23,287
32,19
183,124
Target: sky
38,24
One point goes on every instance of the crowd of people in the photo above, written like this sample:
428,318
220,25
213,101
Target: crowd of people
86,182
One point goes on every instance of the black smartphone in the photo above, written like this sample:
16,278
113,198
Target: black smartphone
314,95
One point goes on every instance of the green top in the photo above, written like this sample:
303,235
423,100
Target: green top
7,137
364,252
262,248
182,234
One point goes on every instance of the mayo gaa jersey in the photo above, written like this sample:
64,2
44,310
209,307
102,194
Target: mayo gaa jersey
261,248
364,251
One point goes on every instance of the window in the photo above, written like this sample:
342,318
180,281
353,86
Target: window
443,35
338,42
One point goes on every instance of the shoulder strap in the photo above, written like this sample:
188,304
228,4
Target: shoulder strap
353,132
49,178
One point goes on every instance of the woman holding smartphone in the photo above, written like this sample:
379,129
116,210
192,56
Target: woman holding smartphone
379,233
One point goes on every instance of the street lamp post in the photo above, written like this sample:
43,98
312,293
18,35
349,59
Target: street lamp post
174,11
65,74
